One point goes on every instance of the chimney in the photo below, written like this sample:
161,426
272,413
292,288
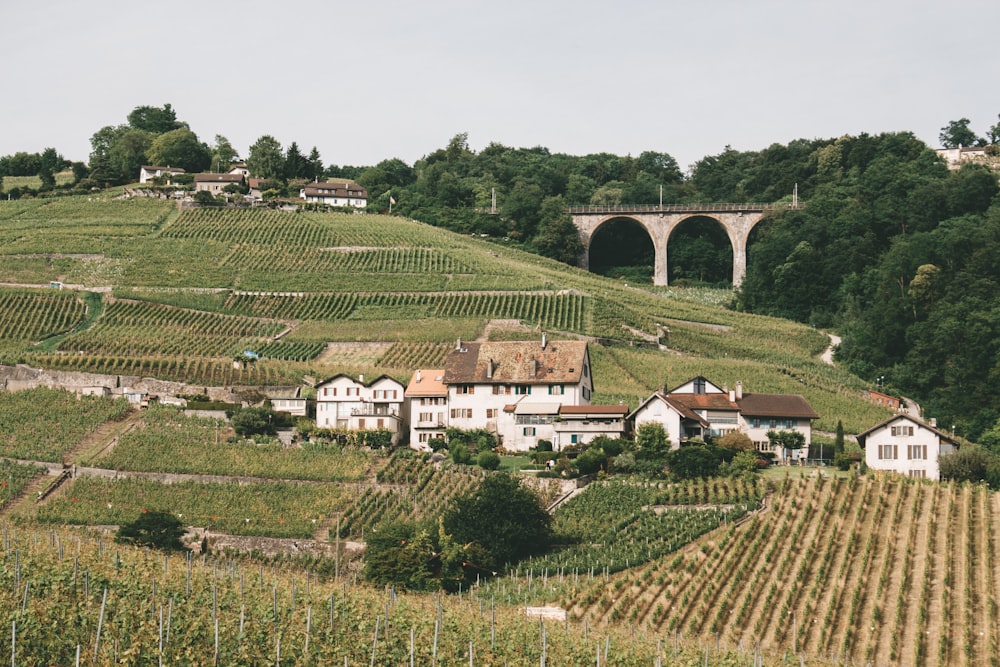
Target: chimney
458,345
419,374
361,378
933,422
739,390
544,340
732,395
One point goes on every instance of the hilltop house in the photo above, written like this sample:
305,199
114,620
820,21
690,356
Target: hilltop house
216,183
335,194
148,173
515,389
350,404
699,408
906,445
287,400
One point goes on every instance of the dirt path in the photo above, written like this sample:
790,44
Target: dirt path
827,355
106,434
29,493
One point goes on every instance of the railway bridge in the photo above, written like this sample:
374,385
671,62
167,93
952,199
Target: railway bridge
660,221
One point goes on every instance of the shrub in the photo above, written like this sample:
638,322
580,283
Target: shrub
488,460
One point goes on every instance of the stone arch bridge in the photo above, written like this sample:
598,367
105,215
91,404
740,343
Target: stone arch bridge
661,221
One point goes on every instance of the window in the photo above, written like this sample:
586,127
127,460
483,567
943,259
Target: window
437,400
465,389
574,439
887,451
916,452
529,430
501,389
556,390
461,413
699,385
902,431
491,413
522,389
756,422
361,424
426,416
919,474
585,393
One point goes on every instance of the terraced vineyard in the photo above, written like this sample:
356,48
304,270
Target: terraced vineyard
880,571
194,287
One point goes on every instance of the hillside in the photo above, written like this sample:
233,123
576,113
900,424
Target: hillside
176,294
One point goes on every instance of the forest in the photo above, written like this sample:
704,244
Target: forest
890,249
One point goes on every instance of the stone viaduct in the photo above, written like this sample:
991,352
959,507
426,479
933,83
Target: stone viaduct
661,221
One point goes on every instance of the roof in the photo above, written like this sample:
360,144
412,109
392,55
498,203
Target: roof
172,170
427,382
594,410
360,381
330,189
943,435
684,411
527,408
516,362
218,178
776,405
704,401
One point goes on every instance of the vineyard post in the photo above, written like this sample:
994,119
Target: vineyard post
215,659
411,645
13,644
375,640
434,650
309,613
100,623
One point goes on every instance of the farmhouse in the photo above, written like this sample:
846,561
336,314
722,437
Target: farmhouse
148,173
350,404
515,388
699,408
215,183
906,445
335,194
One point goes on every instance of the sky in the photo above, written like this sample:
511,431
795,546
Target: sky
368,81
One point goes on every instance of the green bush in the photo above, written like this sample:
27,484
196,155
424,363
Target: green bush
488,460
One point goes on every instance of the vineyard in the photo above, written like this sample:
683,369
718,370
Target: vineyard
72,597
880,571
27,315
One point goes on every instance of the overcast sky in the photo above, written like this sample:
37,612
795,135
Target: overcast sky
371,80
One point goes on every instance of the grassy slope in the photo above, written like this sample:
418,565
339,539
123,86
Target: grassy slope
410,285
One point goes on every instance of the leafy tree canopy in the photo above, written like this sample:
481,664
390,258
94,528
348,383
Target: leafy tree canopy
160,530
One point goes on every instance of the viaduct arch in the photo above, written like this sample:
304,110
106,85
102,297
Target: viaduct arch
660,222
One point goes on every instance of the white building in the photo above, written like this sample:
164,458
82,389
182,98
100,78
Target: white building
287,400
335,194
581,424
906,445
349,404
148,172
515,388
426,407
700,409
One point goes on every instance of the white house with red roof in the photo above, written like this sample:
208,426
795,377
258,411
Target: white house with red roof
426,407
698,409
515,389
907,445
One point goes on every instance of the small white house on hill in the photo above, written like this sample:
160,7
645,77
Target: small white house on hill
906,445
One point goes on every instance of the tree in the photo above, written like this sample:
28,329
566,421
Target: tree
736,441
253,421
957,133
400,554
558,237
787,440
315,166
180,148
160,530
488,460
993,134
155,120
968,464
223,154
266,159
296,165
652,442
502,517
693,461
127,154
838,441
